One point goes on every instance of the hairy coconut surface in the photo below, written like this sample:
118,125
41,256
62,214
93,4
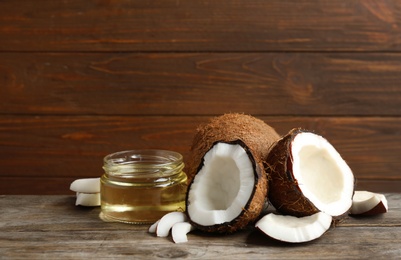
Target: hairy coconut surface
227,183
307,175
255,133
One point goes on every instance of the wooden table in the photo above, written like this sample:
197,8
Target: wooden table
50,227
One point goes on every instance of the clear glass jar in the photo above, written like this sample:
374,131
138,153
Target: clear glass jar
140,186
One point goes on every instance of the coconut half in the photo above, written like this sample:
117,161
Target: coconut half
227,181
308,175
224,186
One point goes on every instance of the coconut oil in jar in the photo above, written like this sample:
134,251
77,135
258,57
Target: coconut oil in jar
140,186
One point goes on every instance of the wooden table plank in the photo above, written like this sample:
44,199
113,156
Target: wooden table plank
308,84
51,226
69,147
173,25
52,151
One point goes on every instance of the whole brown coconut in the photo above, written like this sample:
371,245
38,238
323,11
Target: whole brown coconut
227,152
307,175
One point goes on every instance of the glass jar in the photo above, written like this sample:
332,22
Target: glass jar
140,186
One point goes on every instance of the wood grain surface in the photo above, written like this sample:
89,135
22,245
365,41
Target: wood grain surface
38,227
198,84
71,147
82,79
174,25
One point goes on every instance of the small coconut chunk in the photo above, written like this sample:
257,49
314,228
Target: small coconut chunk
153,227
222,187
86,185
168,221
88,199
293,229
368,203
180,230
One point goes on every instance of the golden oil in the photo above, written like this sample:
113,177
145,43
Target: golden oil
141,186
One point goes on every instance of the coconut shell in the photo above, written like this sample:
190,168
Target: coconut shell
284,192
253,132
256,137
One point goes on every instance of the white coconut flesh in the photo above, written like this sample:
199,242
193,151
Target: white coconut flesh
88,199
222,187
294,230
165,224
322,175
86,185
174,221
364,201
180,230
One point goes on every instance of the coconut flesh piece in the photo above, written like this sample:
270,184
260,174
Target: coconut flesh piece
88,199
87,191
180,230
86,185
222,187
308,175
153,227
368,203
165,224
174,221
293,229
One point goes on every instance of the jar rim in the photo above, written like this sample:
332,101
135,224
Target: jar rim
144,160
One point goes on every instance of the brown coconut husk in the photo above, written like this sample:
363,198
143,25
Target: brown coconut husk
256,137
284,193
253,132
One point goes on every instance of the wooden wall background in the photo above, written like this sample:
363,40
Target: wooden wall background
81,79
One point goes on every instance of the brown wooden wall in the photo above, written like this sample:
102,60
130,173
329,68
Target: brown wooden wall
81,79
